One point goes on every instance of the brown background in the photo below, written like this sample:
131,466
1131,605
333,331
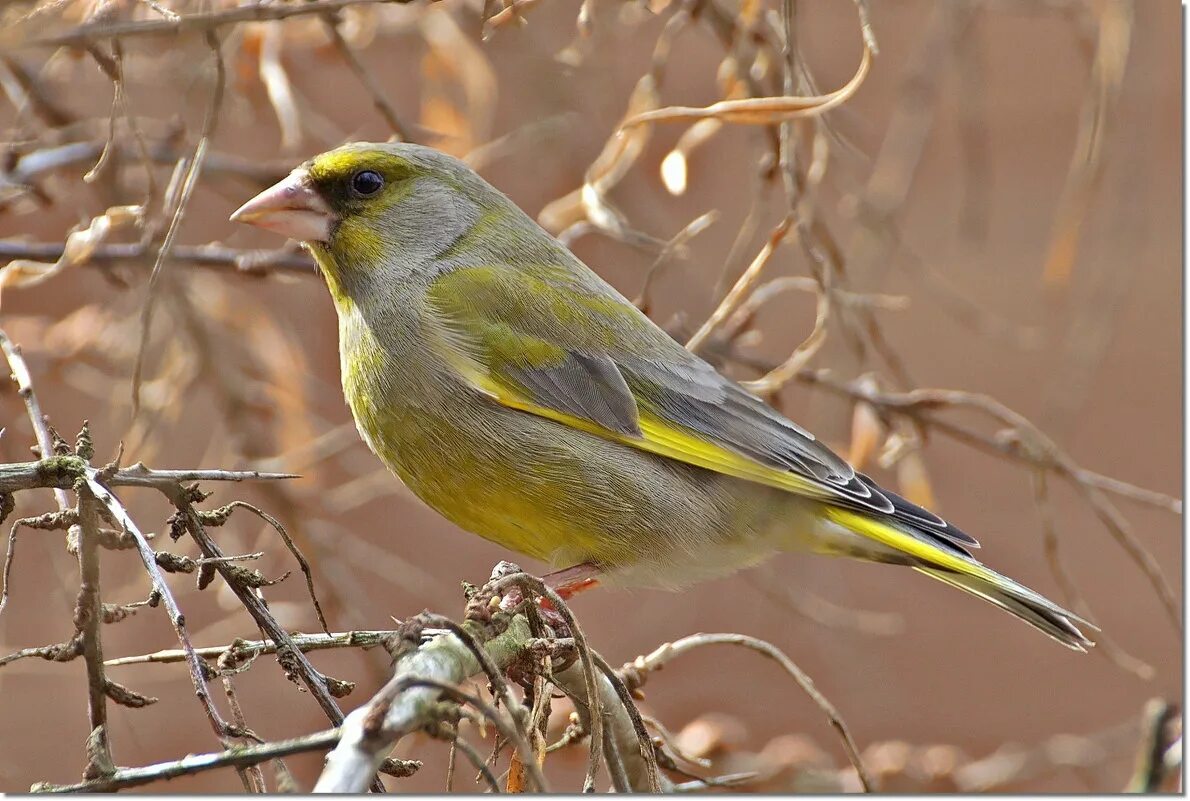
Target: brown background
959,672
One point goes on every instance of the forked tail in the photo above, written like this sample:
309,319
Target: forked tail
940,558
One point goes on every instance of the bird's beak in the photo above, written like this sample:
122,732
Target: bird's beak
291,208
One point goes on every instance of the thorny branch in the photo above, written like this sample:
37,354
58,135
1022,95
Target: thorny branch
63,467
88,618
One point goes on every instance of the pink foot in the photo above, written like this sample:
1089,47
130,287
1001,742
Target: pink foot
567,583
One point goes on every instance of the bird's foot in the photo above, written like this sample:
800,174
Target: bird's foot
566,583
570,581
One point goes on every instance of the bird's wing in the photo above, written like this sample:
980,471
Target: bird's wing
546,343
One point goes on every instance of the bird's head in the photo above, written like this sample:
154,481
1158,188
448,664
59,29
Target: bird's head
365,208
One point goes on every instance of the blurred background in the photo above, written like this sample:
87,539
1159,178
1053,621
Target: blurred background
1004,187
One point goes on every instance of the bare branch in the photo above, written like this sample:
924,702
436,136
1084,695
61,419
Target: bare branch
88,617
198,673
240,756
247,262
62,472
189,23
245,649
371,731
186,190
636,671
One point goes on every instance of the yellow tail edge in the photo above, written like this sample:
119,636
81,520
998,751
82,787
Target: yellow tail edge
972,577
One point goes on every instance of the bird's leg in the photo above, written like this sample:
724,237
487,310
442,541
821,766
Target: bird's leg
570,581
567,583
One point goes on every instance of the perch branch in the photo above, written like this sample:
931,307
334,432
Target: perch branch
371,731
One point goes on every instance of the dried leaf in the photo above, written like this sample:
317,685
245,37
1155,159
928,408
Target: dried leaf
1086,163
622,150
710,734
796,751
558,215
78,249
759,110
913,481
589,202
742,288
782,374
277,85
867,430
674,165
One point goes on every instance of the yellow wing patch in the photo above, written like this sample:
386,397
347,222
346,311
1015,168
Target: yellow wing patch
657,436
900,541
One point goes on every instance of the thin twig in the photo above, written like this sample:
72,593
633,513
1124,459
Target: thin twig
315,682
234,757
189,182
477,761
366,79
291,546
461,696
924,408
247,262
742,288
6,503
499,684
251,775
246,648
636,670
1071,594
188,23
24,382
638,723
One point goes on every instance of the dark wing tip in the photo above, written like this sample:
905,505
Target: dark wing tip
909,512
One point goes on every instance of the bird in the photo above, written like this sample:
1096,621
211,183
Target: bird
526,400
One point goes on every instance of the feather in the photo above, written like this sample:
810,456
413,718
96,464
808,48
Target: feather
560,348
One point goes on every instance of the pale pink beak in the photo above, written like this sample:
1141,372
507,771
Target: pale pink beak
291,208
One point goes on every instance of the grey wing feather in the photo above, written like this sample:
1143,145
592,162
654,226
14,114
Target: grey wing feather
589,387
695,397
704,401
692,395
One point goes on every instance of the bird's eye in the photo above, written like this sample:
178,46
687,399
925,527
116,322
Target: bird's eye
367,182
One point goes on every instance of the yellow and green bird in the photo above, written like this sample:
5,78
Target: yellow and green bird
527,401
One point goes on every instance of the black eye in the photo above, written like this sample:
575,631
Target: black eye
367,182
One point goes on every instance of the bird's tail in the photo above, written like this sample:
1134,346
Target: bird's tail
947,563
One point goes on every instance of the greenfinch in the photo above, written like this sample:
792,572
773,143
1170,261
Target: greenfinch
527,401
